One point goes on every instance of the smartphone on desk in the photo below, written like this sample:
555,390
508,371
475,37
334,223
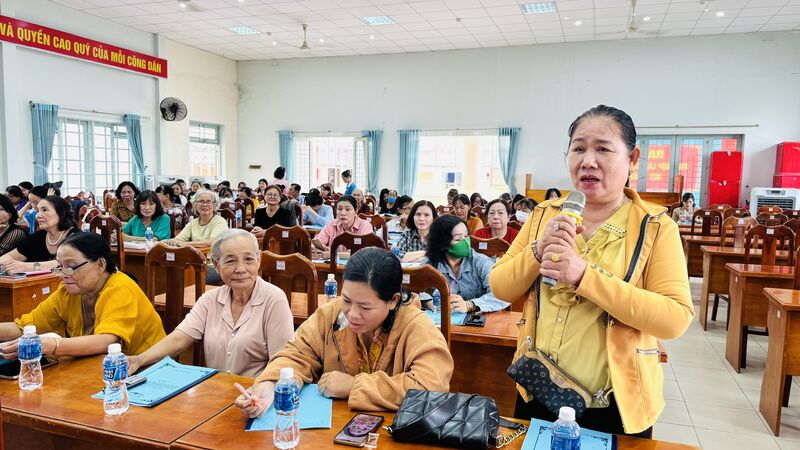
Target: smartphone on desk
475,320
356,431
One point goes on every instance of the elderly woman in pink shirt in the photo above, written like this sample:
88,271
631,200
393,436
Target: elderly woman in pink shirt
346,220
242,324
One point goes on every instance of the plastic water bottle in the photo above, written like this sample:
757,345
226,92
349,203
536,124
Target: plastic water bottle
287,401
566,432
30,355
115,371
331,287
148,238
85,227
396,251
238,218
437,300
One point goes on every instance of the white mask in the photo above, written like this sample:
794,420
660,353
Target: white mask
522,216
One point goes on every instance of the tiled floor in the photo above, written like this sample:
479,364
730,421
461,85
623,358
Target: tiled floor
711,406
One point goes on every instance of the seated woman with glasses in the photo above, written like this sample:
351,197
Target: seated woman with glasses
94,306
271,212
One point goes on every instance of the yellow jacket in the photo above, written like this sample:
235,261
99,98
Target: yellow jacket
654,304
414,356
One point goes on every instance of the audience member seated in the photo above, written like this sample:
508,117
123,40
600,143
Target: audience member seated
412,245
184,189
18,199
367,347
196,186
94,306
177,190
261,189
27,215
225,196
243,324
315,212
390,207
38,250
280,180
403,207
346,220
466,270
498,214
552,194
383,198
10,233
169,201
326,191
26,187
241,186
523,209
461,209
349,184
149,213
294,194
451,195
361,206
476,200
123,207
271,212
683,215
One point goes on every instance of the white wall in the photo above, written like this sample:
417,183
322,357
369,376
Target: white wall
207,84
713,80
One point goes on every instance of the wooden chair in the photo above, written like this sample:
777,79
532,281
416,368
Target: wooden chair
515,224
736,226
771,219
229,216
708,218
769,209
189,209
373,205
770,238
792,213
721,207
673,207
282,240
492,247
479,211
90,199
298,213
178,220
736,212
378,223
174,261
794,225
108,225
248,208
354,243
284,270
443,209
425,279
86,214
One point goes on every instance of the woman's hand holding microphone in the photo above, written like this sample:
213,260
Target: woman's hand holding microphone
557,247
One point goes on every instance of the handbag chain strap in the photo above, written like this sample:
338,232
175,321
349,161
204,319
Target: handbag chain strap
505,439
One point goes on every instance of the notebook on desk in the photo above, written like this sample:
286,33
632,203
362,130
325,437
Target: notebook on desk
540,433
315,411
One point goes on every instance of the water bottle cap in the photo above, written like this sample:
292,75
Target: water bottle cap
149,229
331,276
566,413
287,373
115,348
29,329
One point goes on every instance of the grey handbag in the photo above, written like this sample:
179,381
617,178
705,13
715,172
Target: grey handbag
457,420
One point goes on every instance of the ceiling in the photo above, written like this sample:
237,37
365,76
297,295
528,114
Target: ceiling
335,27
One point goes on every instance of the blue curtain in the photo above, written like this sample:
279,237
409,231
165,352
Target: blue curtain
133,124
44,122
409,148
509,144
286,146
373,158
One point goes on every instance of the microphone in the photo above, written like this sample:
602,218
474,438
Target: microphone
573,207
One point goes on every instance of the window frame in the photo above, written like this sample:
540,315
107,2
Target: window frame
202,140
308,180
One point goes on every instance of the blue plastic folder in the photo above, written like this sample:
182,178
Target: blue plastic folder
315,412
165,379
539,435
456,318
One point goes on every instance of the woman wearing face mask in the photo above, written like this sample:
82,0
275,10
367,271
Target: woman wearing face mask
462,211
123,207
149,214
524,208
466,270
391,202
346,220
367,346
498,214
414,240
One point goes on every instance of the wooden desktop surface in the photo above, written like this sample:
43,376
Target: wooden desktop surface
18,297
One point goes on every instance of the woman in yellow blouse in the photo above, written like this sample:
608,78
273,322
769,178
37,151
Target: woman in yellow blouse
94,306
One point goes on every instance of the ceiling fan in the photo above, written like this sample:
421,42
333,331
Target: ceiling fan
633,23
304,45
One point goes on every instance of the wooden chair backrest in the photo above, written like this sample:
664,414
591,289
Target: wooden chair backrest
479,211
771,219
489,247
298,213
794,225
108,224
673,207
769,209
424,279
86,215
443,209
373,205
515,224
736,212
378,223
796,283
282,240
708,217
770,238
174,261
282,270
229,216
354,243
248,207
90,199
108,199
189,208
792,213
721,207
739,227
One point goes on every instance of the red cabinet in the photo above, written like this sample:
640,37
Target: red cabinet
726,166
786,180
787,158
724,192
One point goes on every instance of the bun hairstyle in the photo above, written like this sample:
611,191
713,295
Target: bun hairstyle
622,119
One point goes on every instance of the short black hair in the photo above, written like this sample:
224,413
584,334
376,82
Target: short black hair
224,183
347,174
280,172
687,196
164,190
39,191
296,187
118,192
401,201
64,211
93,247
264,180
313,199
26,185
347,198
8,206
440,236
381,271
247,191
410,223
463,199
494,202
54,187
530,203
14,190
550,191
180,180
144,196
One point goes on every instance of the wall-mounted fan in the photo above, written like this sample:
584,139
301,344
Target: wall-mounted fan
173,109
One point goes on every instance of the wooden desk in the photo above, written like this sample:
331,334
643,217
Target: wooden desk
694,256
783,355
748,304
134,264
18,297
716,277
686,230
226,431
63,414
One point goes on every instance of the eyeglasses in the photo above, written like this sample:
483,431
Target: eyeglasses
204,202
272,195
61,271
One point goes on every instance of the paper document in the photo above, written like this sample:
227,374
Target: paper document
539,435
456,318
315,412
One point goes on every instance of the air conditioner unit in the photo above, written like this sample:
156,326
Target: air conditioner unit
785,198
153,181
212,181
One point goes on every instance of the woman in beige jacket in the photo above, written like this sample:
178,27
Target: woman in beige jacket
368,347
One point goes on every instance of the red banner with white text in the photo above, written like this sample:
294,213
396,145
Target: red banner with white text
36,36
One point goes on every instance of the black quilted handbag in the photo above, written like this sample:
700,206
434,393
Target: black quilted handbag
456,420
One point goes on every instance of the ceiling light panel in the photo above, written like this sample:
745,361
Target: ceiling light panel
244,30
538,8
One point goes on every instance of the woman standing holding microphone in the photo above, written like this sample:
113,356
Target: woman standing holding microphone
622,285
